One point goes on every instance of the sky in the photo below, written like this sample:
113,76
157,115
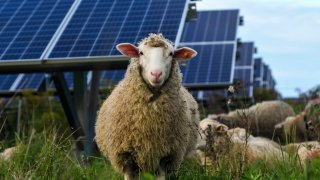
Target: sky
287,35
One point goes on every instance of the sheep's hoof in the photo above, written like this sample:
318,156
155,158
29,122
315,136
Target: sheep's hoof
129,176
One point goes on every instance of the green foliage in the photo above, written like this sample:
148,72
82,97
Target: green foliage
263,94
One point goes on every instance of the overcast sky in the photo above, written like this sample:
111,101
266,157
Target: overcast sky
287,35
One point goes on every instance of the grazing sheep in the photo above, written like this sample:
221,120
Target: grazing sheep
234,143
299,128
260,119
306,151
150,121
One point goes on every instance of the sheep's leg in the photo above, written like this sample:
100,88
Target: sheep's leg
161,174
130,176
130,167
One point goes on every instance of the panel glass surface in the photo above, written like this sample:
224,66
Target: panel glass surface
26,27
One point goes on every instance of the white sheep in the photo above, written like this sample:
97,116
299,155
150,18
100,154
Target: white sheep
149,122
234,143
8,153
299,128
260,118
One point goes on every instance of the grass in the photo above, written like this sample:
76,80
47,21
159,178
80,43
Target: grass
45,155
46,151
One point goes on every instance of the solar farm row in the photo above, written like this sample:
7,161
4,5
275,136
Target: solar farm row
64,29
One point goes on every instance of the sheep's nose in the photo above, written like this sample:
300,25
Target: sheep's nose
156,74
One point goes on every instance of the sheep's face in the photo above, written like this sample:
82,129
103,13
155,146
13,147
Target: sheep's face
156,59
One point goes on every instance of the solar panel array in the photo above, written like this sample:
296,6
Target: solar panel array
244,69
263,75
86,28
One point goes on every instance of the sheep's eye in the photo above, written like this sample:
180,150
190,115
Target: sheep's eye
170,54
141,53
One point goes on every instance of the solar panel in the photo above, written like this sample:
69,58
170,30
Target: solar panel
212,65
265,72
212,26
31,81
244,69
26,27
244,78
97,26
258,72
7,81
246,50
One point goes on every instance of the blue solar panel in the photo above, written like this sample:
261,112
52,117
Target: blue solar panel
31,81
258,72
246,54
97,26
212,26
212,65
26,27
265,72
244,71
244,77
6,81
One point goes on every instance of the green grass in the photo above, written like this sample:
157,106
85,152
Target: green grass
45,155
46,151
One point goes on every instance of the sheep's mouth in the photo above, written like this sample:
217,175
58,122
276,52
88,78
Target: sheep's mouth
156,82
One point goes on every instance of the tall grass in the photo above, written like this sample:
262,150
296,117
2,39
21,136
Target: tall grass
47,155
46,151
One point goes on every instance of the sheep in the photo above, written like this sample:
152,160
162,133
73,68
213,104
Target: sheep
259,119
306,151
299,128
8,153
234,143
150,121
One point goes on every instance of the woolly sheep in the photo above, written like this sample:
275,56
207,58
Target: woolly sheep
306,151
260,118
232,143
299,128
8,153
150,121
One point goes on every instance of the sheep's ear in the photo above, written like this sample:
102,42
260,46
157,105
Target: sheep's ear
222,128
128,49
184,53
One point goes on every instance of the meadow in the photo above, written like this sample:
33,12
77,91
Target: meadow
46,150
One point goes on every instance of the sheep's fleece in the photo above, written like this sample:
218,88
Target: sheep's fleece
138,125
